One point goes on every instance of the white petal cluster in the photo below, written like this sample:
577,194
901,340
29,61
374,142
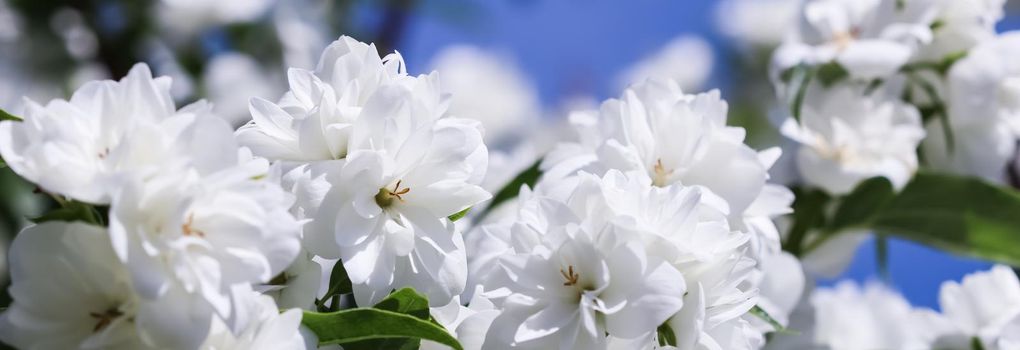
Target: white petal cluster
377,166
192,217
589,256
869,38
982,311
673,138
983,98
848,135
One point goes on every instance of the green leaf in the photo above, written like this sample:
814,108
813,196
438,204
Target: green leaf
459,215
862,204
527,177
4,115
665,335
71,211
405,301
802,77
760,313
975,344
808,213
961,215
348,326
339,284
831,73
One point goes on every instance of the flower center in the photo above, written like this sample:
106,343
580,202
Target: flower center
103,319
386,196
570,276
660,175
191,231
844,39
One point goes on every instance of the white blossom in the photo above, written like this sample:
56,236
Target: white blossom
848,135
982,306
875,317
203,232
82,147
869,38
961,25
377,165
674,138
314,120
70,291
685,228
984,112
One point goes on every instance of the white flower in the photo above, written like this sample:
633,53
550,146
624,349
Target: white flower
685,59
570,295
203,232
377,166
869,38
385,215
758,23
314,120
260,326
70,292
685,228
982,306
490,89
961,25
79,148
847,317
848,135
984,111
675,138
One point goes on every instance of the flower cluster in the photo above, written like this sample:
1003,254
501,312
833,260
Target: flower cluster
981,312
193,222
366,207
868,82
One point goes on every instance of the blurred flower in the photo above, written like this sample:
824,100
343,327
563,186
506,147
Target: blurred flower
980,307
80,148
687,60
869,38
961,25
984,112
69,270
231,80
757,23
190,16
847,317
490,89
848,135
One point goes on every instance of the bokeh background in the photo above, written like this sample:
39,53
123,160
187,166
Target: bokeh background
563,54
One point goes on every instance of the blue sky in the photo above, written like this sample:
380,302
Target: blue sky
578,46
